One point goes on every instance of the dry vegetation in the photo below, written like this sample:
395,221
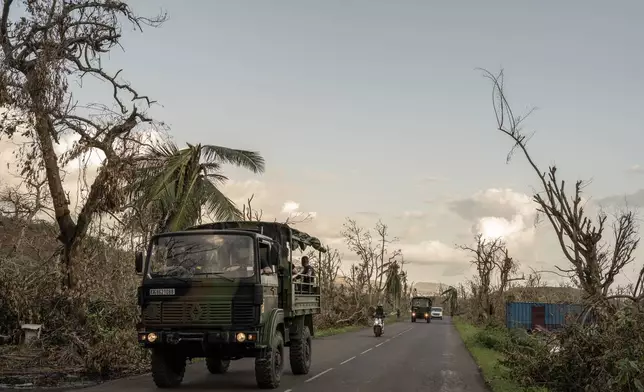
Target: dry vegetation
606,354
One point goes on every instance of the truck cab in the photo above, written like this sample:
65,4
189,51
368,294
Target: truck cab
421,308
225,291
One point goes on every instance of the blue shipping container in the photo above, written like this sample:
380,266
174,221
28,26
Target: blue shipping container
528,315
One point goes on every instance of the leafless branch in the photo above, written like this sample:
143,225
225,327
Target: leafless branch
594,264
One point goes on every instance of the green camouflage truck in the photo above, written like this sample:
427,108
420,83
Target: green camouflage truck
420,308
225,291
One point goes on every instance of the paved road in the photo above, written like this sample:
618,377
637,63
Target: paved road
408,357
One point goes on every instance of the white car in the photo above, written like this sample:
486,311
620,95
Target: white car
437,312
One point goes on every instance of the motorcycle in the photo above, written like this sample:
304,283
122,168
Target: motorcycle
378,326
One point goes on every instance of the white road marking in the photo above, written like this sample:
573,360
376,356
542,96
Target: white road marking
407,330
388,340
350,359
380,344
288,390
319,374
366,351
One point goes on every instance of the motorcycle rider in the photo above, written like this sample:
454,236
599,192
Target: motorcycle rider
380,312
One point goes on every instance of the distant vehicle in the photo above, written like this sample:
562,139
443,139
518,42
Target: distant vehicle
226,291
420,307
437,312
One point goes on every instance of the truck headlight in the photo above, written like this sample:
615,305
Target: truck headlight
152,337
241,337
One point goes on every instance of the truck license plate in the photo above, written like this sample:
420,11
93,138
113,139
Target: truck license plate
161,291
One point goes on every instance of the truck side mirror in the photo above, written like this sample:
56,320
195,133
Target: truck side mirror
138,262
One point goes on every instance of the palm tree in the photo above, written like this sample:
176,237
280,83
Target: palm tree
176,184
451,295
394,283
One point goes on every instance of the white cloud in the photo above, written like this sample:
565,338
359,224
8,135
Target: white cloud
516,231
431,252
290,207
499,213
414,214
637,169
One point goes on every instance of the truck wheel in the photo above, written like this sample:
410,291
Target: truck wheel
269,367
217,366
413,320
429,319
167,368
300,353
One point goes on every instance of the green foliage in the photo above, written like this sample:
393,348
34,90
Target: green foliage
605,357
174,184
492,338
480,341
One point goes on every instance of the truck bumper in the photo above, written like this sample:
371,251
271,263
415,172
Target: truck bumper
231,343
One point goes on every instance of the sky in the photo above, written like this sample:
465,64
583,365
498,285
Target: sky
375,110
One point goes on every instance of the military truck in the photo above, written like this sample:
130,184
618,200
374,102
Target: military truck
225,291
420,308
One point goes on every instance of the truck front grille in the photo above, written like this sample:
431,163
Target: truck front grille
187,313
243,314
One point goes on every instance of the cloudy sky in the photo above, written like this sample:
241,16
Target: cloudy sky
373,109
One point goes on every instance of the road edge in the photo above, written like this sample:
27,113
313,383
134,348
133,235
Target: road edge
487,383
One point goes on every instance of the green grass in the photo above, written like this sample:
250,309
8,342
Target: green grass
321,333
488,360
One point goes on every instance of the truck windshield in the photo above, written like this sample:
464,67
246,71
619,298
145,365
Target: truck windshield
422,302
187,255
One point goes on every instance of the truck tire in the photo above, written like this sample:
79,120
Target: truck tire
269,367
413,320
217,366
429,319
300,353
167,368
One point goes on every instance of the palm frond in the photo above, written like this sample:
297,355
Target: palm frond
163,150
218,204
188,204
250,160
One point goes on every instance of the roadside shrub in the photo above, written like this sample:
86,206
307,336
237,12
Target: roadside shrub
493,337
605,357
92,334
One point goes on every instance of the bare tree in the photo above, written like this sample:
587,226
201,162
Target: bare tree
327,270
506,266
50,45
25,200
298,218
384,259
375,257
484,258
360,242
594,263
249,214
